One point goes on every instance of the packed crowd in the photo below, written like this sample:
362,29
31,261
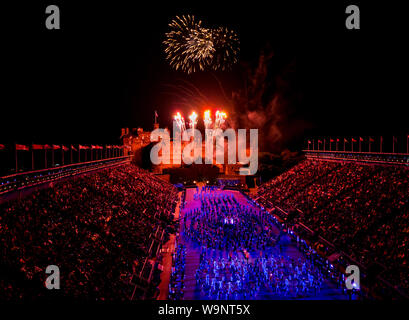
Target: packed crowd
96,228
362,209
223,222
177,278
241,278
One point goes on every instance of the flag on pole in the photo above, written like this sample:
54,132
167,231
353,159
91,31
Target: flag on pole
64,148
2,146
83,147
37,147
22,147
370,141
407,144
73,148
56,147
393,144
47,147
156,117
352,144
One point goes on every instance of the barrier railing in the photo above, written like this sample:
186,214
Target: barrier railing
342,255
23,180
361,157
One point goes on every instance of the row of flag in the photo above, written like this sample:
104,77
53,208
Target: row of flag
346,140
360,139
111,150
22,147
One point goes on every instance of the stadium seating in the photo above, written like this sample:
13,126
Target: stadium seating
362,209
96,228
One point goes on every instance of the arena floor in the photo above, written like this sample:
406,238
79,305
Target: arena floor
329,290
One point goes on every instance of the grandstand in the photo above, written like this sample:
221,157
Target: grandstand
103,229
351,207
115,232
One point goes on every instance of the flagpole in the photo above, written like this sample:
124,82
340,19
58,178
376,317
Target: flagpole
32,158
344,144
71,154
15,156
52,157
393,144
79,154
369,144
45,157
381,144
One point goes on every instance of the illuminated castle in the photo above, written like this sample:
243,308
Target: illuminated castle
135,140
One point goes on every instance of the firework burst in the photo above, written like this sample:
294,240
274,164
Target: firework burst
191,47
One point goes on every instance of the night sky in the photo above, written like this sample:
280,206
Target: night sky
105,69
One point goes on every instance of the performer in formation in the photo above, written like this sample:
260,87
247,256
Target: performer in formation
240,278
239,259
222,222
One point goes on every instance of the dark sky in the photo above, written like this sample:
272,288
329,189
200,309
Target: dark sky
105,68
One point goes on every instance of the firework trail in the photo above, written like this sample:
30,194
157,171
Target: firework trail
191,47
193,120
220,119
180,122
207,119
227,46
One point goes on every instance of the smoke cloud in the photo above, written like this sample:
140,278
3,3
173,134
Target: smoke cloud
267,102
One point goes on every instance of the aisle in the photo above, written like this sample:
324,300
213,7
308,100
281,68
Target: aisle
167,250
192,263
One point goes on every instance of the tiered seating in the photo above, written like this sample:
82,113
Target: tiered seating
362,209
96,228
